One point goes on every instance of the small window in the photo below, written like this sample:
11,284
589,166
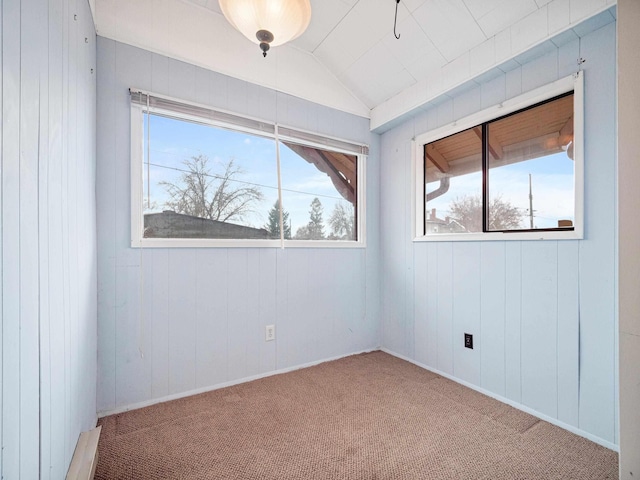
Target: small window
207,178
517,173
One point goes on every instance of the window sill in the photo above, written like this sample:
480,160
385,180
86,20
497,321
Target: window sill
502,236
213,243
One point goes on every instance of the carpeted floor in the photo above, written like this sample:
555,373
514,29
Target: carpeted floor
369,416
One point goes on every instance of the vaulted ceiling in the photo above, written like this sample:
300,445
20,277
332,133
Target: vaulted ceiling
349,58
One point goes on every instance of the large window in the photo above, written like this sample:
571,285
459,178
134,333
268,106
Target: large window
514,169
204,178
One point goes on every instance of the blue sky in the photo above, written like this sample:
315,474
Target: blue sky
173,141
552,186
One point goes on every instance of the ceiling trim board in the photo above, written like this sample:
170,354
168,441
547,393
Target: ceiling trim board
385,116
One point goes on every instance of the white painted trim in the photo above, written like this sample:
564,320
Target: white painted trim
218,386
494,236
578,152
416,186
137,151
519,406
573,82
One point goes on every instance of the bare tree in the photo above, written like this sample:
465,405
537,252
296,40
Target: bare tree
467,211
203,194
341,222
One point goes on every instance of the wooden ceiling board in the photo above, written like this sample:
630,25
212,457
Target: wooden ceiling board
526,135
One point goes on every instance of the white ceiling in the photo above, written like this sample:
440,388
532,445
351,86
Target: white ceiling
349,58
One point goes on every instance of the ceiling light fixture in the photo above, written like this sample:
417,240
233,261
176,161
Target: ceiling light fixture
268,23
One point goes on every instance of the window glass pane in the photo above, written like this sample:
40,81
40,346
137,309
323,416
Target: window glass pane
453,183
319,193
205,182
531,168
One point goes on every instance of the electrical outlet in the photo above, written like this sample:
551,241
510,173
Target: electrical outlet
468,341
270,333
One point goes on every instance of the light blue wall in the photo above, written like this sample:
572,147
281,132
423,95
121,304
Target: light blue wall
542,313
176,320
48,235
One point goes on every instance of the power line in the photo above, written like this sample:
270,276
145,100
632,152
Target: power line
242,181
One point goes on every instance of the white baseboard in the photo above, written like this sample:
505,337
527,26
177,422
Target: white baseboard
218,386
85,457
519,406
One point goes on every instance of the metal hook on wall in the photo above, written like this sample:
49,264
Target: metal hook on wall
395,22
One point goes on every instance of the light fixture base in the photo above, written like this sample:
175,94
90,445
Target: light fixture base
265,37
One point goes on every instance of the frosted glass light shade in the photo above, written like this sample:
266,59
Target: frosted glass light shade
285,19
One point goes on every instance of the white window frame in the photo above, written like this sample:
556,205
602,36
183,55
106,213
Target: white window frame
573,82
296,135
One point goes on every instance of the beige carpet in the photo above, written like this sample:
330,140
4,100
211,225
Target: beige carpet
369,416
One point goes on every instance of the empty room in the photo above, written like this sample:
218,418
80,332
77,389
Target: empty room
319,239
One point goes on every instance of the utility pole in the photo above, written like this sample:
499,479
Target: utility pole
530,203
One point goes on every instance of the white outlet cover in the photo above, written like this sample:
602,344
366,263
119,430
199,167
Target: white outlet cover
270,333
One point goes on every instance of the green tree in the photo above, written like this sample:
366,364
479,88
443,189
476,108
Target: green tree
273,222
215,196
467,211
341,222
314,230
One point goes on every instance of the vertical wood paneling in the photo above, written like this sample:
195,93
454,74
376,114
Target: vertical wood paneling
598,251
394,261
421,333
466,310
131,337
181,77
513,320
44,241
182,324
107,124
156,307
48,232
29,319
324,303
238,299
432,305
352,323
211,317
11,239
134,68
298,296
409,290
282,333
255,336
444,292
55,243
237,97
539,348
70,221
342,318
2,73
69,11
568,332
361,321
268,311
492,317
